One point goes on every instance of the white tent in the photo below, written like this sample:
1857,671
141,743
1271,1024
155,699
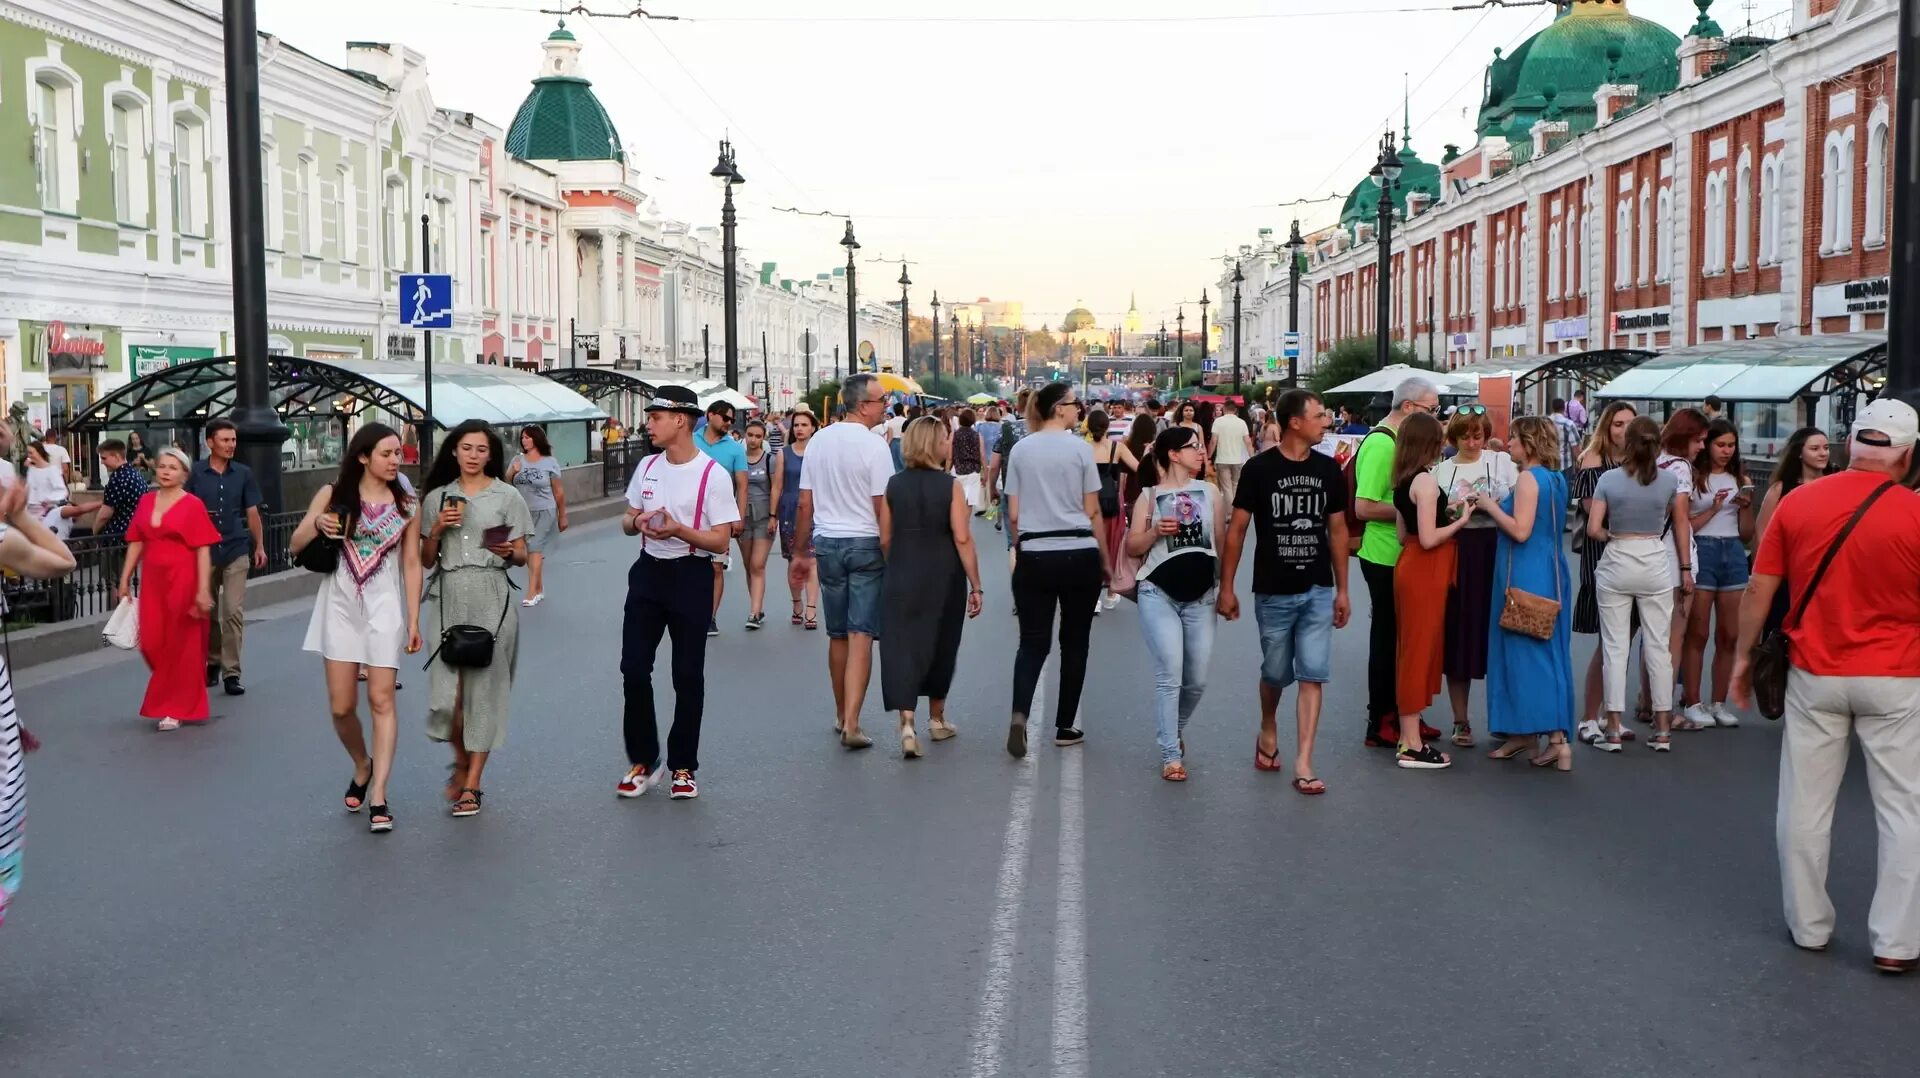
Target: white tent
1388,377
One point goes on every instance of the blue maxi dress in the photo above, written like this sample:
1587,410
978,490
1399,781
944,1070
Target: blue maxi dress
1530,682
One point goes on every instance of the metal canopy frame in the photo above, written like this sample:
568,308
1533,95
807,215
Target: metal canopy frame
1592,368
1855,363
597,384
299,388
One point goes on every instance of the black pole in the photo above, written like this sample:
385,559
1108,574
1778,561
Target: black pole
259,428
853,300
936,335
836,363
1383,272
806,360
426,350
1237,278
706,352
1294,244
953,316
1903,365
1205,302
573,344
730,255
906,351
766,370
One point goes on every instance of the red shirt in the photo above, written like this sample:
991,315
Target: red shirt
1865,619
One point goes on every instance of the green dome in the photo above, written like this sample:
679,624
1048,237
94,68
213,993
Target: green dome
562,119
1078,319
1569,60
1363,203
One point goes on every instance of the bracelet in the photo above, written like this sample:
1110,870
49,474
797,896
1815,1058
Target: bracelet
1686,568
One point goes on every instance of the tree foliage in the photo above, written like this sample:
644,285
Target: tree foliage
1352,358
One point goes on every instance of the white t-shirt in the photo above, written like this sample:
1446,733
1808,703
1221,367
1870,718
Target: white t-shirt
1229,439
661,484
1725,523
1682,470
57,454
896,427
846,467
45,486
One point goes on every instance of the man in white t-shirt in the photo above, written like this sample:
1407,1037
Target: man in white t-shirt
681,504
1232,445
843,483
57,454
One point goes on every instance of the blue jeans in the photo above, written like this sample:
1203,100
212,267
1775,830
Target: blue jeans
1296,637
1180,638
853,575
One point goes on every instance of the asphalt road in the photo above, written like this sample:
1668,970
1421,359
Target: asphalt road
198,904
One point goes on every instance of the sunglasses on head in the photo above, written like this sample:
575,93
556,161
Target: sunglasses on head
1471,409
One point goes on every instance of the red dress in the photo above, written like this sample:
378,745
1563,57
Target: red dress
173,633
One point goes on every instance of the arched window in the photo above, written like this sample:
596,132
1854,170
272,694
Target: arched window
128,140
1646,234
1623,244
394,234
1877,185
1829,192
1576,254
56,144
1499,275
346,215
1714,247
1743,213
307,191
189,175
1553,262
1843,223
1769,211
1663,240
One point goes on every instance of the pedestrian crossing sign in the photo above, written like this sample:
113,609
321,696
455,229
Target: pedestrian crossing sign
426,300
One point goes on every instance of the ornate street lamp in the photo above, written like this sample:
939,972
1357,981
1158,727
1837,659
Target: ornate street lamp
1385,175
1294,245
1180,338
906,352
1237,279
1204,304
853,296
726,176
936,333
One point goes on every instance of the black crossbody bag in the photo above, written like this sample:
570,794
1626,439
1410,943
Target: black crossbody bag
470,647
1770,660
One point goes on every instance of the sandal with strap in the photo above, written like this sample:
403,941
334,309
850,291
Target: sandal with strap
1174,772
1264,760
812,622
1309,787
469,803
379,819
1463,734
357,791
796,612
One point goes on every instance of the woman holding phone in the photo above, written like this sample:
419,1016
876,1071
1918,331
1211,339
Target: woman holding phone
477,529
1722,516
368,611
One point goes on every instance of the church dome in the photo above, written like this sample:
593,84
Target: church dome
562,119
1078,319
1363,203
1588,44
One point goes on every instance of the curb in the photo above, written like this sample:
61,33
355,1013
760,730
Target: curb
47,643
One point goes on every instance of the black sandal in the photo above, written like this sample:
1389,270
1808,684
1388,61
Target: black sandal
461,807
379,820
357,791
812,622
796,611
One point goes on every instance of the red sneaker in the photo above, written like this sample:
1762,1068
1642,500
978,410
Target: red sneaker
1427,733
683,787
636,782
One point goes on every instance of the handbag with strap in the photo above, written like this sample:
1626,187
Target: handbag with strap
1770,659
1526,613
470,647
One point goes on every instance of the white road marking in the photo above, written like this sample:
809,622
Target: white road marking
1069,930
996,991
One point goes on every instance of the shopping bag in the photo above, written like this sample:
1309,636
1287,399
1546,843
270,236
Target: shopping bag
123,625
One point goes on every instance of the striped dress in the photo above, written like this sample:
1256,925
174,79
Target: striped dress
13,793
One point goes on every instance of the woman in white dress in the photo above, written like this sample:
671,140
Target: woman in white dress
368,610
47,490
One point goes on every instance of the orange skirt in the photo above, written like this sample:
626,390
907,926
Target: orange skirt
1421,581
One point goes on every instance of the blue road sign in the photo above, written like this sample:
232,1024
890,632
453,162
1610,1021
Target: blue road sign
1209,366
1290,345
426,300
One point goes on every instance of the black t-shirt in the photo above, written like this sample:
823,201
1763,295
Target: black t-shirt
1291,502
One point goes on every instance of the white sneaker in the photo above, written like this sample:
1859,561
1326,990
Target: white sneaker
1113,600
1699,713
1724,715
167,724
638,781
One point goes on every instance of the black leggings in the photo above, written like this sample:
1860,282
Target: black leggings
1072,579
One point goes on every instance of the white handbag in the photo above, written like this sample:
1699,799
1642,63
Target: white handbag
123,625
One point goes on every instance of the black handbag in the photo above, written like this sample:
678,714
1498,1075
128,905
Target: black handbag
322,555
1769,661
470,647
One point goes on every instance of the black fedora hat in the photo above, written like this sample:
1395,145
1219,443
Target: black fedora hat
674,399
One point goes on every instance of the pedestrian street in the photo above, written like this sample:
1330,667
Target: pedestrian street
198,903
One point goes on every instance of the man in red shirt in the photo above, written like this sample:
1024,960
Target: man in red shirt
1856,670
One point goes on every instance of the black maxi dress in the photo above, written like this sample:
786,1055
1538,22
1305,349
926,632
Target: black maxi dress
925,602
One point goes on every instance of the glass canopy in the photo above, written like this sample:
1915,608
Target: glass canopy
1760,370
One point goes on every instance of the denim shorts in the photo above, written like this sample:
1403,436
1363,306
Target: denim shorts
1722,564
1296,637
853,574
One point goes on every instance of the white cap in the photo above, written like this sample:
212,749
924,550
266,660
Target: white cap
1890,419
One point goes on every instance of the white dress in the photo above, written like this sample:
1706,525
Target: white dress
366,624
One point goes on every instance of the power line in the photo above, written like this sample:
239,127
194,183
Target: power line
984,20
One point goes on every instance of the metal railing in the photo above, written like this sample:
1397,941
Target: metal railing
617,463
89,590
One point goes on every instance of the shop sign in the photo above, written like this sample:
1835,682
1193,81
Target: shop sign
1457,341
1865,296
1642,321
404,347
153,358
69,353
1569,329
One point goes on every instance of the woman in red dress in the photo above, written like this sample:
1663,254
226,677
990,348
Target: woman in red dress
171,535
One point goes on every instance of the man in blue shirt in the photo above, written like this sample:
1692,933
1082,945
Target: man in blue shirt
125,486
232,498
715,440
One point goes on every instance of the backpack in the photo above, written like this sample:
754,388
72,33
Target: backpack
1356,528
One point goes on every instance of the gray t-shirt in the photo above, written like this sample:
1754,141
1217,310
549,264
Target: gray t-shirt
1633,508
1051,473
534,481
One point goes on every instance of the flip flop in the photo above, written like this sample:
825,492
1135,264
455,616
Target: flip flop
1309,787
1271,759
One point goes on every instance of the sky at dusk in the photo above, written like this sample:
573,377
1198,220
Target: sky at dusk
1051,151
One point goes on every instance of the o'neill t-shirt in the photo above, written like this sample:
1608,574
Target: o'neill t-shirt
1291,502
661,484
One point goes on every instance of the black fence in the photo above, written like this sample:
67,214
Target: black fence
617,463
90,589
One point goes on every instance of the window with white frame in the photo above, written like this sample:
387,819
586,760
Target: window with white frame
1499,274
56,146
1743,213
486,269
1877,152
129,145
1713,244
1663,237
394,235
1646,234
1553,262
1576,254
346,211
189,176
1769,211
1836,194
273,194
1623,244
306,181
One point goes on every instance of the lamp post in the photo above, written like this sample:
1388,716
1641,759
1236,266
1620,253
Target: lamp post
1160,347
257,424
1903,365
953,317
1237,279
1180,337
906,351
935,326
1205,302
1385,174
1294,245
853,298
725,176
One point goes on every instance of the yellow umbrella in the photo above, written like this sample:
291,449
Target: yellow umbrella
893,383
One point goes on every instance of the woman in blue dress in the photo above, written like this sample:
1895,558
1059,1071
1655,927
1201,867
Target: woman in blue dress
1529,681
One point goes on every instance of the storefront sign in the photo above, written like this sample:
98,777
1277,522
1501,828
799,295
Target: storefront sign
1457,341
153,358
66,352
1652,318
1569,329
404,347
1854,297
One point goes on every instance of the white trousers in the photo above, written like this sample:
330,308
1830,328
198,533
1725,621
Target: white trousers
1634,571
1821,712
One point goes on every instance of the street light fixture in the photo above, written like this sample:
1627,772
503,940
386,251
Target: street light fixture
1294,246
853,296
1180,337
1237,279
1386,176
725,176
1204,304
936,333
906,352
